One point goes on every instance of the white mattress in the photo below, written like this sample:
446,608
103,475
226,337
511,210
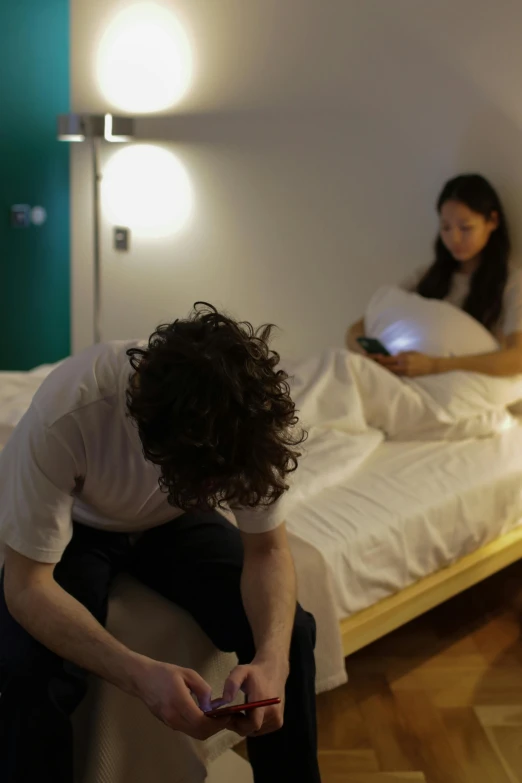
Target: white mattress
410,510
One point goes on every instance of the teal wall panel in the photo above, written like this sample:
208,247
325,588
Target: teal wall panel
34,169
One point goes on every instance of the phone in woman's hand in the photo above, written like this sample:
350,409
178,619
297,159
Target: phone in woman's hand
372,346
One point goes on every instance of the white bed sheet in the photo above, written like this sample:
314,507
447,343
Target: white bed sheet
410,510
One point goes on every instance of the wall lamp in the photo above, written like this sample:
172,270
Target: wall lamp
95,128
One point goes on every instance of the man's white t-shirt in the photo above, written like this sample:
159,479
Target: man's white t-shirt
76,454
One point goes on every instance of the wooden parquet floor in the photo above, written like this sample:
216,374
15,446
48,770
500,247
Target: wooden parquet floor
439,700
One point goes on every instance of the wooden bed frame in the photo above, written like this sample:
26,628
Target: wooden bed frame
370,624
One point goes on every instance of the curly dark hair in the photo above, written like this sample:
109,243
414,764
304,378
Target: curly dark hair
213,411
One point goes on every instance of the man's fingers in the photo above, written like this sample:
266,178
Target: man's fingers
213,725
273,720
234,682
215,704
188,710
199,688
197,724
248,723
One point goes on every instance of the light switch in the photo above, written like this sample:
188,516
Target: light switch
121,238
20,215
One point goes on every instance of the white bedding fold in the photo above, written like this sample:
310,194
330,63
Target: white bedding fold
342,391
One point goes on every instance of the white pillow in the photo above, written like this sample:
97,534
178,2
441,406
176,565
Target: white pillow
404,321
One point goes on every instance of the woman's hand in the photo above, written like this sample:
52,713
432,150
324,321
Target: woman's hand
410,363
356,330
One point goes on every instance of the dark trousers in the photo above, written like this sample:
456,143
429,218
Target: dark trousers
195,561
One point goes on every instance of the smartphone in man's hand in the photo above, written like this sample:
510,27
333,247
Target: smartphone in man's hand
223,712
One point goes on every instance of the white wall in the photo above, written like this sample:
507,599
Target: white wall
317,134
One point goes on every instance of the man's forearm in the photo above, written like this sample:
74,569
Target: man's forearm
63,625
268,588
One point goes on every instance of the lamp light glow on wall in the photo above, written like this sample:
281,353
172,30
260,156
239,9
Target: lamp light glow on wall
147,187
93,128
144,60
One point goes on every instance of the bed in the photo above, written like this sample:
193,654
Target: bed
415,525
410,525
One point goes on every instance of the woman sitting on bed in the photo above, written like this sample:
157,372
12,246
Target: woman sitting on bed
472,271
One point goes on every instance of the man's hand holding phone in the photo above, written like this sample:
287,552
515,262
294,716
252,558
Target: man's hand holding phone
258,681
168,692
234,709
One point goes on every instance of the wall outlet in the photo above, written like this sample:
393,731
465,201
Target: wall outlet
20,215
121,238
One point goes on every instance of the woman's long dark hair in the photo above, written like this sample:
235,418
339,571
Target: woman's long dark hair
484,301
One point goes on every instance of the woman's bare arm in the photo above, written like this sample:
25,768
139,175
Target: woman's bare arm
503,363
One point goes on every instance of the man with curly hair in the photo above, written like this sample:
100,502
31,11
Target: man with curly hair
122,462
